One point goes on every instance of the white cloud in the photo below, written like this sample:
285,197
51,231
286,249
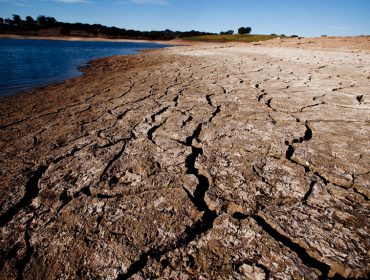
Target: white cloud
343,28
144,2
20,3
74,1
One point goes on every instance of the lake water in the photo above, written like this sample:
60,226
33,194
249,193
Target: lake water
26,64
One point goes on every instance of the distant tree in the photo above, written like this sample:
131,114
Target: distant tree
229,32
18,26
65,30
41,20
8,21
17,19
244,30
294,36
29,20
50,21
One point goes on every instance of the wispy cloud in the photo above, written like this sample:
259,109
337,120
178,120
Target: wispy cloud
144,2
343,28
74,1
20,3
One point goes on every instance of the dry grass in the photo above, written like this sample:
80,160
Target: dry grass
233,38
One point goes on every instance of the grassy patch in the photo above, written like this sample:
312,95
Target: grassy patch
232,38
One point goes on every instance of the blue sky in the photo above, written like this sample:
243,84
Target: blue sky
298,17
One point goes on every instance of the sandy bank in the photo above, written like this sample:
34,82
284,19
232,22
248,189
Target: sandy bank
217,161
323,43
85,39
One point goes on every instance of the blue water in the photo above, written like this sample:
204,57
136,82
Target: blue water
26,64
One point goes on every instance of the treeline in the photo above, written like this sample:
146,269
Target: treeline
31,26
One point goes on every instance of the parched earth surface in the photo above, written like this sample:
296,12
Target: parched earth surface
196,162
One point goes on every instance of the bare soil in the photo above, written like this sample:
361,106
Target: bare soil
214,161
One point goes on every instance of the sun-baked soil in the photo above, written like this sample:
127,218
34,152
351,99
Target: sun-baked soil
216,161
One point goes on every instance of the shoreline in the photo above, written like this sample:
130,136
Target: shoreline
318,43
87,39
181,161
82,68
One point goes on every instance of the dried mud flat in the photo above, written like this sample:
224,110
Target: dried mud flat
198,162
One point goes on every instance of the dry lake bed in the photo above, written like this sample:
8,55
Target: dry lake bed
211,161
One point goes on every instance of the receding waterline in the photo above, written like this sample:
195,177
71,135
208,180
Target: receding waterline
27,64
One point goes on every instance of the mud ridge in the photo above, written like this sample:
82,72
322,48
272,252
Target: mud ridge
115,158
265,270
152,130
159,113
32,191
300,251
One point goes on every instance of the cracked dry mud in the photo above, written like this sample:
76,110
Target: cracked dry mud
197,162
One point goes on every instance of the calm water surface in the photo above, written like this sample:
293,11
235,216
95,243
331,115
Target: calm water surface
26,64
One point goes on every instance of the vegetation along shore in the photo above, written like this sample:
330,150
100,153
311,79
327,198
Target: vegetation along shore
48,27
